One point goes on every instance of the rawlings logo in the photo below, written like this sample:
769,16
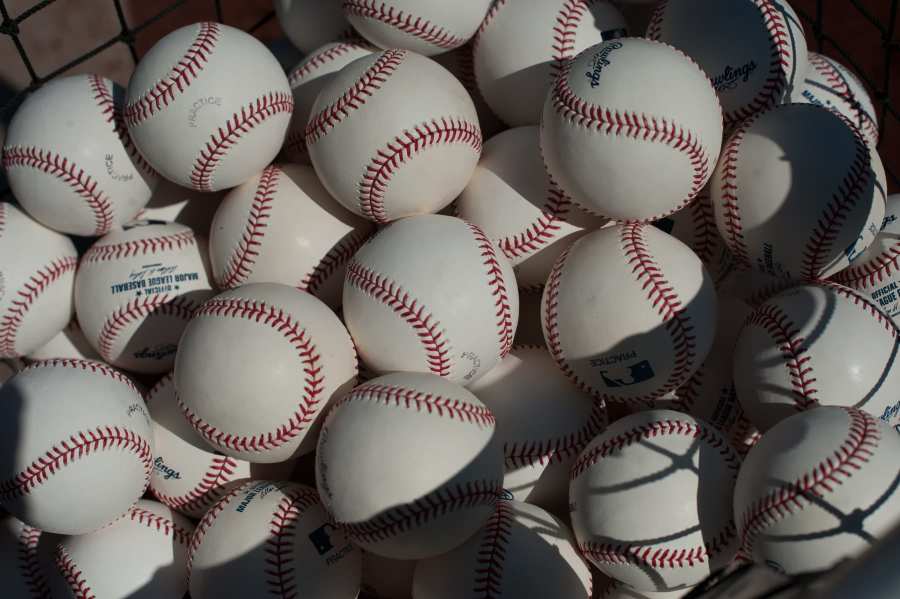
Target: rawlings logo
600,60
730,76
166,472
156,353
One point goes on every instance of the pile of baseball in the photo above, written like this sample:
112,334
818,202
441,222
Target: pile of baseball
481,300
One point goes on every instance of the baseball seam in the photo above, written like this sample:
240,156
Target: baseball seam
206,522
415,26
29,564
137,309
112,112
658,557
839,85
333,260
731,211
542,231
861,302
206,492
491,554
414,399
505,326
320,59
93,366
565,26
706,236
73,575
279,548
518,454
168,527
139,247
875,269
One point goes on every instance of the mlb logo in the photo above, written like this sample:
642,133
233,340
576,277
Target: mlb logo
321,540
628,375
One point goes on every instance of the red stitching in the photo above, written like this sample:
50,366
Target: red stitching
706,236
21,304
402,518
280,561
112,110
542,231
799,364
866,304
418,27
654,27
847,197
734,229
544,451
29,564
314,381
206,492
87,366
822,478
355,97
255,113
837,82
414,399
336,257
168,527
103,98
319,59
874,270
178,79
74,576
207,521
69,173
427,327
566,25
100,252
77,446
380,170
488,579
656,556
505,326
243,257
138,309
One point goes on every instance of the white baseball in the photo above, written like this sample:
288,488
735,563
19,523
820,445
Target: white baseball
26,560
70,467
830,84
208,106
517,205
386,578
624,104
37,275
172,203
143,553
135,291
461,63
621,524
817,344
70,161
819,487
69,343
266,341
431,294
428,27
629,313
394,134
543,423
754,51
389,495
307,79
282,227
272,538
793,192
522,46
311,23
521,552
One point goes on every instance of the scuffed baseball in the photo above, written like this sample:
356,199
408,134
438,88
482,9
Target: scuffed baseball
521,552
431,294
623,104
269,342
208,106
309,24
272,538
70,467
629,313
37,275
394,134
523,45
142,553
817,344
388,495
70,161
282,227
621,524
819,487
69,343
136,290
26,560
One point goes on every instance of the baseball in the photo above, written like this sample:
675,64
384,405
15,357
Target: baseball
543,421
26,560
817,344
793,192
272,538
629,313
310,24
262,341
623,104
428,27
37,275
69,343
461,64
522,552
171,203
754,51
517,205
56,453
830,84
394,134
523,45
806,501
282,227
307,79
208,106
142,553
136,290
621,525
431,294
390,497
70,161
